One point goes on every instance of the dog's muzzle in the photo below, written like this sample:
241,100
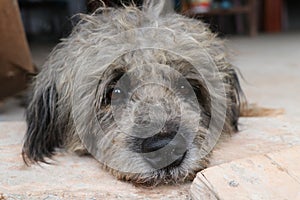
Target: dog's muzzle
166,146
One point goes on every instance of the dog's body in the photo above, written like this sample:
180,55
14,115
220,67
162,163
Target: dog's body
128,83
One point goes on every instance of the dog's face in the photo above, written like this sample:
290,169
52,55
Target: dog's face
150,119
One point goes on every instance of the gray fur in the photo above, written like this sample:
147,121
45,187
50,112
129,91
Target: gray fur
70,93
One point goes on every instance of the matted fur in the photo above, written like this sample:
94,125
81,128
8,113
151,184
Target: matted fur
87,54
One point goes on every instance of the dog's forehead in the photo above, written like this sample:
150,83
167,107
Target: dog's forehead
148,74
157,73
155,63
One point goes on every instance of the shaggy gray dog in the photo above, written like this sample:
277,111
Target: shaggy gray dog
146,94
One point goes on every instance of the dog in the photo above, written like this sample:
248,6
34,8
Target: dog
147,94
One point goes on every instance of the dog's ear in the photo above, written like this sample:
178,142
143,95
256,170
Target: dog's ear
237,97
43,135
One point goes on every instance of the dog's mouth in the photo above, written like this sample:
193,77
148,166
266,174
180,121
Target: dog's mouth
170,174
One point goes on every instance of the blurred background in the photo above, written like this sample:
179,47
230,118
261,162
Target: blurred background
52,19
265,35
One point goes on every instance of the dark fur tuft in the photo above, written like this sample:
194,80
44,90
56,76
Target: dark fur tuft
237,97
42,136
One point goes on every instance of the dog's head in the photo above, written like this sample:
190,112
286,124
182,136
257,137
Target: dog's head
150,114
151,121
147,95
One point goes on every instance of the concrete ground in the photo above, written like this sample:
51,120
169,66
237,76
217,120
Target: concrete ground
270,66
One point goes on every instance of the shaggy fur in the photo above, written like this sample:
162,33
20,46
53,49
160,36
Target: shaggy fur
111,84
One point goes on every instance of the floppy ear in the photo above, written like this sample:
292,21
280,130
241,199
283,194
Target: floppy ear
237,97
43,135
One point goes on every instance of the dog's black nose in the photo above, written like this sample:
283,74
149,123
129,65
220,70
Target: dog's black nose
162,151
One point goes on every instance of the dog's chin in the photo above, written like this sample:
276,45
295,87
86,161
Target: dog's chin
169,175
166,176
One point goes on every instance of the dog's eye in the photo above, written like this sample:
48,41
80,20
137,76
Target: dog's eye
117,91
117,95
183,89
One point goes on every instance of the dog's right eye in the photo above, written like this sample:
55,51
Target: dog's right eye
117,95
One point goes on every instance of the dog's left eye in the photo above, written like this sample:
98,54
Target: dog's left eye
183,89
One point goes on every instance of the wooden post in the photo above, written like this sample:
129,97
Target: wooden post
15,57
273,15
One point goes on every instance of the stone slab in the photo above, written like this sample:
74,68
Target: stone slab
271,176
